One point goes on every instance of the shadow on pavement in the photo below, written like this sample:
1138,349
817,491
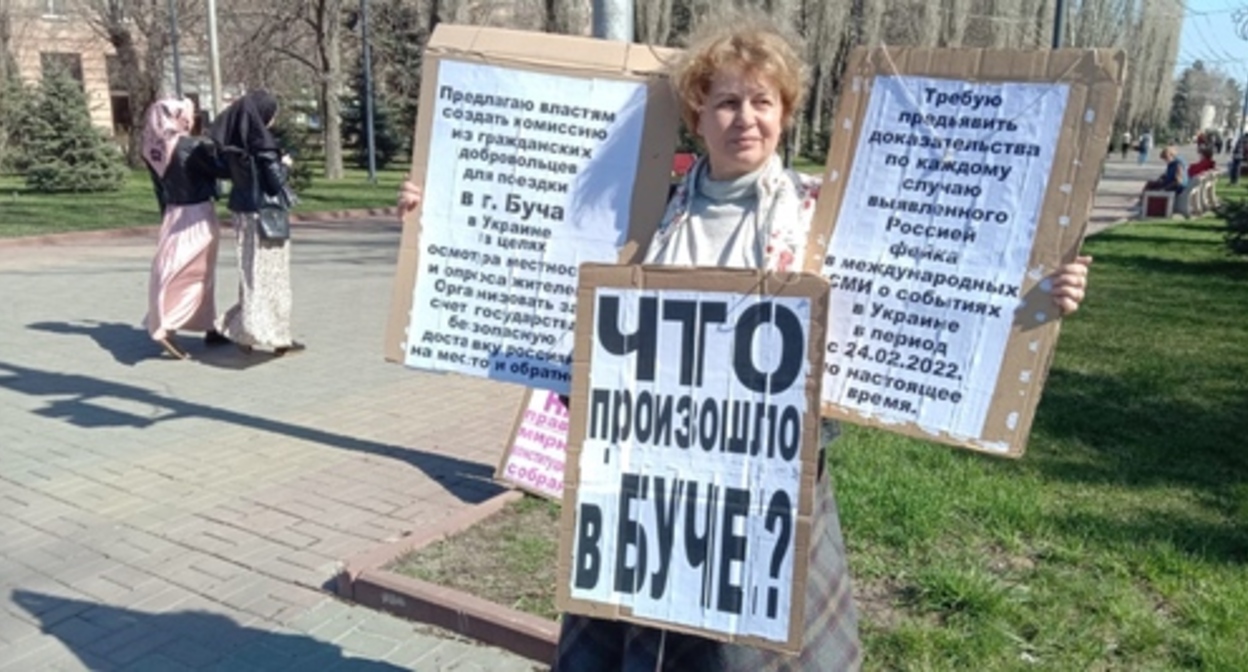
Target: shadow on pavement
127,343
84,401
130,345
104,637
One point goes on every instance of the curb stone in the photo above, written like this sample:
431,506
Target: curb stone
361,579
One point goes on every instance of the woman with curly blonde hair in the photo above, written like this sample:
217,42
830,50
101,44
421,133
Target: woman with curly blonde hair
739,87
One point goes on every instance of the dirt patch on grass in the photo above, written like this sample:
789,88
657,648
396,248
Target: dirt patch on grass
508,558
880,603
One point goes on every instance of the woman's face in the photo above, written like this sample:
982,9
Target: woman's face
740,123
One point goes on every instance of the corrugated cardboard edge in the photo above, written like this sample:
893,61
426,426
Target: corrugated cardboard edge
362,579
809,285
551,54
1095,77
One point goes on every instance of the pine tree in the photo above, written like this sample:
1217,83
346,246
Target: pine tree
15,103
62,151
387,139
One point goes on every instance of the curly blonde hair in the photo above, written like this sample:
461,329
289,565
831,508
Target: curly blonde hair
746,42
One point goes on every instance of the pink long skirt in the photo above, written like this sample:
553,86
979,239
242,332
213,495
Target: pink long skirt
182,288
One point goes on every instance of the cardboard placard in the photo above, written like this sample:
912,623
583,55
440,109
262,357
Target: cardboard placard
534,458
537,152
957,182
693,450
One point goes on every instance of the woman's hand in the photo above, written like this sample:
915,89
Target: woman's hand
1069,284
410,197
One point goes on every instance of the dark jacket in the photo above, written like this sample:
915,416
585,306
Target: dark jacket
253,175
192,174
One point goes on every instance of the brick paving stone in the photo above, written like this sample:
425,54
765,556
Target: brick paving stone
14,630
141,498
317,615
77,632
47,653
294,574
127,576
111,618
367,644
190,653
158,662
340,624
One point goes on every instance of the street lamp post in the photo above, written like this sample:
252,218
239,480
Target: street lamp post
214,56
1059,20
173,39
368,93
613,20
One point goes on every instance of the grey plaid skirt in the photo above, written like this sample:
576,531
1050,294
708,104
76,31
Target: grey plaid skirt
830,643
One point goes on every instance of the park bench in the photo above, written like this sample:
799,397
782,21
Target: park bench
1200,196
1209,191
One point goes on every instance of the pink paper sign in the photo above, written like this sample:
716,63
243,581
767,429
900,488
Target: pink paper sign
534,459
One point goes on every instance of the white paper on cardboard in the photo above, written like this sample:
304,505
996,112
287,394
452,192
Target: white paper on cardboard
525,183
690,467
931,245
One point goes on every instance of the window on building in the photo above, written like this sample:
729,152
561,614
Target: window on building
68,63
122,117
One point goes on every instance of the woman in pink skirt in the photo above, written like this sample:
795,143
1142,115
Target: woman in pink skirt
184,170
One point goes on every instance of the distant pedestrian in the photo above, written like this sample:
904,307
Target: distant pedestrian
1126,143
182,286
1239,153
1175,177
1204,165
1146,145
258,173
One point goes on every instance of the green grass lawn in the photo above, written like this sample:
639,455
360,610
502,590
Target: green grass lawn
24,213
1120,540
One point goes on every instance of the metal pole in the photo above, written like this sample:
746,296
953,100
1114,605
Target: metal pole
613,20
214,55
173,38
1243,113
1059,18
368,93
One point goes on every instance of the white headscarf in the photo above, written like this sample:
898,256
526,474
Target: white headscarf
167,121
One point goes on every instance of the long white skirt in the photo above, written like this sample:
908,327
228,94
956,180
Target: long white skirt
261,318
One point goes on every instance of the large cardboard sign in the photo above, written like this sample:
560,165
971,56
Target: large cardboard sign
693,450
534,458
957,182
537,153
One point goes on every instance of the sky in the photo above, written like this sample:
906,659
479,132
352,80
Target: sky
1209,35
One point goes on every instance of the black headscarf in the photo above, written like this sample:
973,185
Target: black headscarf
245,123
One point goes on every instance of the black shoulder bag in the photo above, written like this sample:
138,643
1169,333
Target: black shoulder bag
273,212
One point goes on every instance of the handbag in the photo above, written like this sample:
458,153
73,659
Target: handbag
272,212
274,218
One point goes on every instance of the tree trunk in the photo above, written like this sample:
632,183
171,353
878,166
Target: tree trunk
330,86
139,88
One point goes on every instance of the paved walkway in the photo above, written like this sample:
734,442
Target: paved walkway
1117,196
162,515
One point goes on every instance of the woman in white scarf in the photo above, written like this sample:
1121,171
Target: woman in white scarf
740,86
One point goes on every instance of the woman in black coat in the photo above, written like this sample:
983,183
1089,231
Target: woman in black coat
258,173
